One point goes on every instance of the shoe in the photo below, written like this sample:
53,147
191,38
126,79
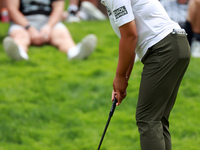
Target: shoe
195,48
84,48
13,51
92,11
72,18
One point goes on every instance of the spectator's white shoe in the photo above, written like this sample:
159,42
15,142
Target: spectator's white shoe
72,18
84,48
195,48
13,51
92,11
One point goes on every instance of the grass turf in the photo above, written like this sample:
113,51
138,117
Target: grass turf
50,103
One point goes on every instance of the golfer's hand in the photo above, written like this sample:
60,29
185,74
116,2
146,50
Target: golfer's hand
120,84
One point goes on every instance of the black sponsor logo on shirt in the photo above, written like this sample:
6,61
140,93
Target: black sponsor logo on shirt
109,11
119,12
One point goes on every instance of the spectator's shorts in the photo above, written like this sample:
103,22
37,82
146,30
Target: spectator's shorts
38,21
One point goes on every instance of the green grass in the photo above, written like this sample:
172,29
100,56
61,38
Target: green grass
50,103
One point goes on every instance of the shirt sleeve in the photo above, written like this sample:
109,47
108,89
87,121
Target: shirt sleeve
121,11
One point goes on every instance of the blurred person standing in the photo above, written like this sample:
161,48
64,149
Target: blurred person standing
176,9
145,28
187,14
192,26
37,22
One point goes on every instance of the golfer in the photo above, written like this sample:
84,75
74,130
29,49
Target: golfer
144,28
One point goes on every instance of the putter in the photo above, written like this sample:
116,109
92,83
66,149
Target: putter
110,115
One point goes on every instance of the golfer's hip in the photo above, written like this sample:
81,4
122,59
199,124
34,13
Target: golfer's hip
174,46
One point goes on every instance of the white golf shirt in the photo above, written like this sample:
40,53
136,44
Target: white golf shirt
152,21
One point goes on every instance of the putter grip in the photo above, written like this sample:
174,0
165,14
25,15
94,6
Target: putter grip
113,107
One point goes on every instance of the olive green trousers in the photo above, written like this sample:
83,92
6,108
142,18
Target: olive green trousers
165,64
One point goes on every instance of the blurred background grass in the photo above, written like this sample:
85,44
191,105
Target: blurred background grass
50,103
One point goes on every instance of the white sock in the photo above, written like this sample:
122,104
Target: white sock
73,51
21,48
23,52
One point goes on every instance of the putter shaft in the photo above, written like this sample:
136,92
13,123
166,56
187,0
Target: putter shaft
110,115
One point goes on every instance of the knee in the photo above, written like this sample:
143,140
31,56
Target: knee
58,38
20,35
150,129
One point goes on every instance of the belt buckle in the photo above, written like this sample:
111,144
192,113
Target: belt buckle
179,31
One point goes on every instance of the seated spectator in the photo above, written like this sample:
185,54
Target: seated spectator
84,10
192,27
37,22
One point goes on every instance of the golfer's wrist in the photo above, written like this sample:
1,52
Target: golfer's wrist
118,75
121,72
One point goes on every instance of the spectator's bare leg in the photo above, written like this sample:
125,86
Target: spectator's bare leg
62,39
74,2
21,38
16,45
